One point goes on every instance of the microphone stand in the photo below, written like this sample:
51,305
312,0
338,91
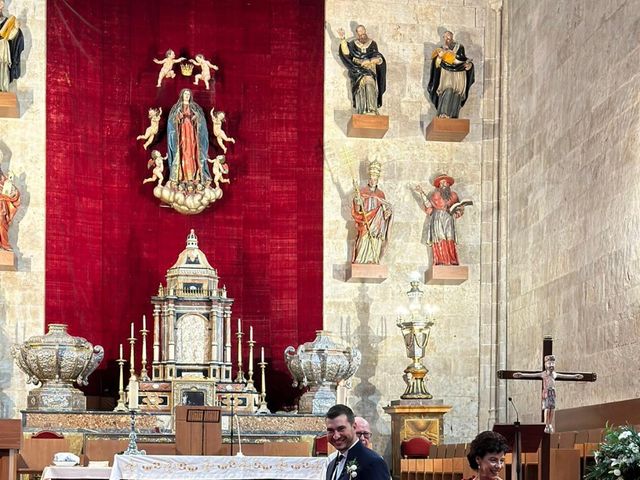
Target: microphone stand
517,444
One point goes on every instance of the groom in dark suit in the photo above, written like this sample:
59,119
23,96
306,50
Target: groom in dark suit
353,460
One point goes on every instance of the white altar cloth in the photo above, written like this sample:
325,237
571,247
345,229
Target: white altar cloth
187,467
84,473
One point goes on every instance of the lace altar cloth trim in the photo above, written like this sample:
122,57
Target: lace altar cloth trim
169,467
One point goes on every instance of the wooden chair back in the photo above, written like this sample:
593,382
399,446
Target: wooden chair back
37,453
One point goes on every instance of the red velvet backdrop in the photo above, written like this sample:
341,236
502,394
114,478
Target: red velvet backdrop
109,243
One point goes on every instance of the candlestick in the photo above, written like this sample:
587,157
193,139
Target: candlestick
250,387
240,377
263,394
132,355
240,325
262,354
144,376
121,407
132,449
250,333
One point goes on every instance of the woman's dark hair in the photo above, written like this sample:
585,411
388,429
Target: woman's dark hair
486,442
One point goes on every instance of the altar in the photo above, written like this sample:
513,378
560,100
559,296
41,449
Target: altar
168,467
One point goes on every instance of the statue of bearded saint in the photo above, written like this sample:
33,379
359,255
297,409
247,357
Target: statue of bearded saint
11,46
373,215
442,205
366,68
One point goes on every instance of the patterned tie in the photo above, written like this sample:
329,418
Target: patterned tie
339,459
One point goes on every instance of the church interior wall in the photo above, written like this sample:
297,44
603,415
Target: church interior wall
365,313
22,150
573,197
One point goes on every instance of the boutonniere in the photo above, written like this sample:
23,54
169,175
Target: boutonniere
352,468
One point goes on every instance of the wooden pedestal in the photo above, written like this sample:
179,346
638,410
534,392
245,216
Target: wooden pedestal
415,418
368,126
7,261
367,272
9,105
446,275
447,129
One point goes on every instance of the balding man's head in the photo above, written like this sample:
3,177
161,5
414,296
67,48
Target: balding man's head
363,431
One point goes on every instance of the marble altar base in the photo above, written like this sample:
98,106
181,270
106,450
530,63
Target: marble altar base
283,427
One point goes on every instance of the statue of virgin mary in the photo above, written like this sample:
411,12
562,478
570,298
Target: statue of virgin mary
187,142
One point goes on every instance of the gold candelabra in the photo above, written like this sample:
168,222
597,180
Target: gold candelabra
263,393
132,342
240,377
121,407
144,376
250,387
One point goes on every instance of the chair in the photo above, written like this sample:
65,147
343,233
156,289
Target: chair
416,447
37,451
320,446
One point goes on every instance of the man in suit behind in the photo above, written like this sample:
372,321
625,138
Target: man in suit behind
352,456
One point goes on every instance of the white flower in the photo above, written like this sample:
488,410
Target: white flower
624,435
617,472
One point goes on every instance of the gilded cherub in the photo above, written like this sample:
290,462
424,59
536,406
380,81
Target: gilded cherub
217,118
152,130
218,169
157,163
205,72
167,66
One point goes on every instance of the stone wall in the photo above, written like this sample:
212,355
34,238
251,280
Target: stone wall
365,313
573,196
22,144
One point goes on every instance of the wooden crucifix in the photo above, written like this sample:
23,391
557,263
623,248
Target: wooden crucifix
548,375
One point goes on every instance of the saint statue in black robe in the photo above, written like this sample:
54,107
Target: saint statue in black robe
11,46
451,77
367,70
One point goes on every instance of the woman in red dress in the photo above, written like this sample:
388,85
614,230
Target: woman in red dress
486,455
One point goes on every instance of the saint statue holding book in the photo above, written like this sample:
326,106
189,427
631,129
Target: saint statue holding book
443,207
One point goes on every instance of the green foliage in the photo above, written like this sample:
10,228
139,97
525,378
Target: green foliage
618,457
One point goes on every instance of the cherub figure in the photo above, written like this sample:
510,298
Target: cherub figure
218,169
205,69
167,66
157,163
152,130
217,118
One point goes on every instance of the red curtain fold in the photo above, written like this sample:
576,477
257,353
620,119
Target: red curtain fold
109,243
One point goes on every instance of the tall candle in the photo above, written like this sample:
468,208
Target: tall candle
239,325
131,329
133,395
251,333
262,354
144,322
121,354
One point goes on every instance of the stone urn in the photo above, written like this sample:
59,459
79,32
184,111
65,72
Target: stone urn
321,365
54,361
